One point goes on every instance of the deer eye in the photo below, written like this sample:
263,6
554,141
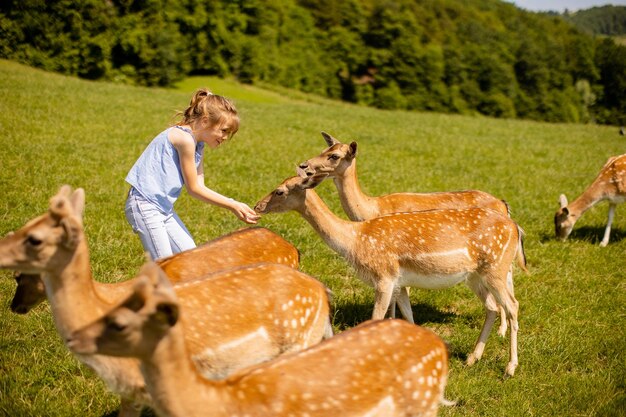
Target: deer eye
33,241
333,157
279,192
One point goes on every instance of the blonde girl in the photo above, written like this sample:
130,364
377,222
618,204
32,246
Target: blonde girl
172,160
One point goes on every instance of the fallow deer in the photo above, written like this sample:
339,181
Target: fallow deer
339,162
610,184
237,317
242,247
429,249
380,368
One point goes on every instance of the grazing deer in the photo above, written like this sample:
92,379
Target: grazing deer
339,162
610,184
428,249
381,368
236,317
243,247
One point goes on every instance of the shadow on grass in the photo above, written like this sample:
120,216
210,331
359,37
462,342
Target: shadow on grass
351,314
589,234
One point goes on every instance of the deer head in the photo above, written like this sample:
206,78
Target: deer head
333,161
289,195
563,220
137,323
49,239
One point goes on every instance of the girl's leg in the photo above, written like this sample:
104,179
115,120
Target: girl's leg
180,238
149,223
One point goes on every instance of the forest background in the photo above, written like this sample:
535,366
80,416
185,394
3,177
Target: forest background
453,56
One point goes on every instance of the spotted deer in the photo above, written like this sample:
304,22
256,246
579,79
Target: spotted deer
339,162
380,368
237,317
428,249
242,247
610,184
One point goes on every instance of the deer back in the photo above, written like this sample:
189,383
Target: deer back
387,367
246,315
435,242
243,247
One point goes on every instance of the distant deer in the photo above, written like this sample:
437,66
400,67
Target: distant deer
243,247
610,184
339,162
236,317
384,368
428,249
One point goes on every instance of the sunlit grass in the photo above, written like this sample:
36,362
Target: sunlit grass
58,130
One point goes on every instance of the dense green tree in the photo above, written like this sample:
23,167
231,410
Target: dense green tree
484,56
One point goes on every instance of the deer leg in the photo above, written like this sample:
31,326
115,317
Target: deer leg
491,311
607,231
382,299
503,318
129,408
404,303
504,296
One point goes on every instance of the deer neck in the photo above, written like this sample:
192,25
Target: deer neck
71,293
357,205
336,232
586,200
175,386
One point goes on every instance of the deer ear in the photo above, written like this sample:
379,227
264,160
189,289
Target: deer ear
59,207
330,141
72,228
313,181
353,150
563,200
78,201
167,312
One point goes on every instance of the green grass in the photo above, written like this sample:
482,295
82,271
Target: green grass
57,130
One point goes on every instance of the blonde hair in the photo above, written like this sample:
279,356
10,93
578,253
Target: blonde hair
216,109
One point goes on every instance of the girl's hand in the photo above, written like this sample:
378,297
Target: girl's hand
245,213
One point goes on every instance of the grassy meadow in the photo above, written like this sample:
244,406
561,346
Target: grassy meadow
58,130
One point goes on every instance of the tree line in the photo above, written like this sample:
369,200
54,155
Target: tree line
483,56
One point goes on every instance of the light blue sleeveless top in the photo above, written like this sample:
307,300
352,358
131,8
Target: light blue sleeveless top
157,175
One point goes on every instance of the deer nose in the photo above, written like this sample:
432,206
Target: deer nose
303,166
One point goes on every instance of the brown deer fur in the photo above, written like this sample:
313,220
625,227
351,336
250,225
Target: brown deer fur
430,249
610,184
381,368
267,309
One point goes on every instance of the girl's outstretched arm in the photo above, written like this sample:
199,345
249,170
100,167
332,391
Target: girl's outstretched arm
194,179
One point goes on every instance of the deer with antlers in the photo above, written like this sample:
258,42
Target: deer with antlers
232,323
429,249
610,185
384,368
246,246
339,162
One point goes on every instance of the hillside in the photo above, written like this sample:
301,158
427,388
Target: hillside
605,20
481,57
64,130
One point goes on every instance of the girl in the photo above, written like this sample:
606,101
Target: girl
173,159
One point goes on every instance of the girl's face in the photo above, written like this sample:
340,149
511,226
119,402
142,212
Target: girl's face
214,135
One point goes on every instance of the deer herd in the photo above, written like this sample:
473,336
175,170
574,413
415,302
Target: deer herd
234,327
